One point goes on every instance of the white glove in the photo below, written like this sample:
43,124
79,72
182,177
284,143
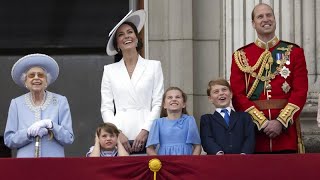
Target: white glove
42,132
34,129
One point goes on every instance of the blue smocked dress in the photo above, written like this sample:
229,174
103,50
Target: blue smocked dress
175,137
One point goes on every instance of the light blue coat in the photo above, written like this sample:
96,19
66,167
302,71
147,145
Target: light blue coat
22,114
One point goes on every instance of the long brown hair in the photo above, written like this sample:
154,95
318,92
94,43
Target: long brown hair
184,96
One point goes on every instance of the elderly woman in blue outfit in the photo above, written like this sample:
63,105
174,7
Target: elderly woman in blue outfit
39,118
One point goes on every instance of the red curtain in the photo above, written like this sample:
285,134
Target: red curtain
268,167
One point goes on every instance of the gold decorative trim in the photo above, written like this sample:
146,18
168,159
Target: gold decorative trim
155,165
286,114
256,81
267,45
242,61
265,62
258,117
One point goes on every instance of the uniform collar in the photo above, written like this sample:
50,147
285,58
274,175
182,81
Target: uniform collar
274,41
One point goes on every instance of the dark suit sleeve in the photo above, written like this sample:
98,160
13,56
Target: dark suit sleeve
249,141
208,141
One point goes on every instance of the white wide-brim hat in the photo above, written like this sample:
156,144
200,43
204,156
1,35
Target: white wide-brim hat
137,18
34,60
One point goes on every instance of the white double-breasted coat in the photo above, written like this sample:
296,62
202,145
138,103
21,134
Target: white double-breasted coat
137,99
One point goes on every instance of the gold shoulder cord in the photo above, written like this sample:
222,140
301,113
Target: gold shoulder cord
243,65
266,55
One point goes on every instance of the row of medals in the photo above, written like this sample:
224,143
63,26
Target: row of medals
284,72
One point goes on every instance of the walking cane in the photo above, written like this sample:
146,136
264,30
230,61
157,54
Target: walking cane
37,144
37,147
301,148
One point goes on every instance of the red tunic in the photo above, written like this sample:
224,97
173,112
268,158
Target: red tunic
297,94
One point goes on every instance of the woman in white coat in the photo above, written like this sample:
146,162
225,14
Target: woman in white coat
134,85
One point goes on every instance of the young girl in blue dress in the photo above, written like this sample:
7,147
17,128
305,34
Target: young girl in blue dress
175,132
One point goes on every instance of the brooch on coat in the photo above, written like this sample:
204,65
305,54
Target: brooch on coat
284,72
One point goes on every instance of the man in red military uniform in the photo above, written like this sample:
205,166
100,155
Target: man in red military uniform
269,81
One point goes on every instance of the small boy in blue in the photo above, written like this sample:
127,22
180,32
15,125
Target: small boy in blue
225,131
107,143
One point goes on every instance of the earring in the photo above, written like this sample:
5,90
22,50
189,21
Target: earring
137,43
119,49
